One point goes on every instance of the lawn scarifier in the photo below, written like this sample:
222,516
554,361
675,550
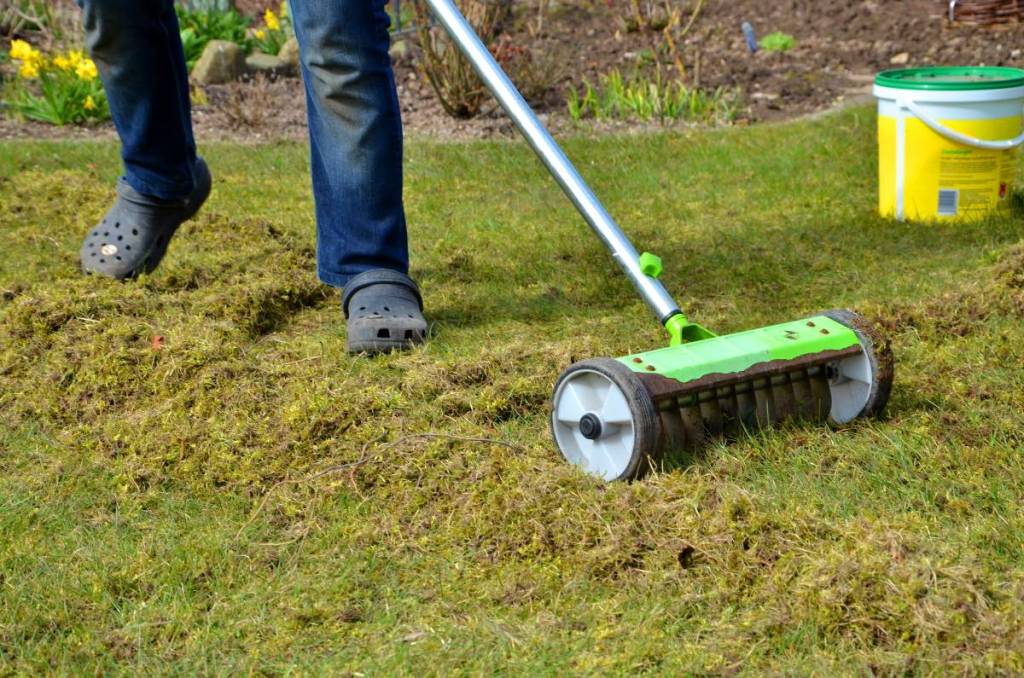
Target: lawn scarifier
616,418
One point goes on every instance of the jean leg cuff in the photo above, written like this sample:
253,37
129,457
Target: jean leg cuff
339,279
334,279
163,190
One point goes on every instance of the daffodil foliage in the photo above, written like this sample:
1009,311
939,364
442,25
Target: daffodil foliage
59,88
274,32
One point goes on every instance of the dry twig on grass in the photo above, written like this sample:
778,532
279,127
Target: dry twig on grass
457,86
248,105
54,22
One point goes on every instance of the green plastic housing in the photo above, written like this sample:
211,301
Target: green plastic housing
952,78
739,352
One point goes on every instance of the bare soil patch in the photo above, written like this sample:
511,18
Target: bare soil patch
840,45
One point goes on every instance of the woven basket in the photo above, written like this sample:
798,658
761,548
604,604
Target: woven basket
986,12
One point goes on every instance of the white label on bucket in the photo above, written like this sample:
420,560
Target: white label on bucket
949,202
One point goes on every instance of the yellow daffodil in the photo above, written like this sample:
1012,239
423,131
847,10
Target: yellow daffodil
22,51
32,60
270,19
89,104
284,8
29,70
76,56
86,70
63,63
260,34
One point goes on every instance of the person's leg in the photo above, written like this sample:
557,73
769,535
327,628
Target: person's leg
355,132
137,49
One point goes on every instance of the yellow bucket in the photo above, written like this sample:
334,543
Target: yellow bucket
947,141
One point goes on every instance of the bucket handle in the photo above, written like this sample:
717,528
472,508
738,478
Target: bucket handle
953,135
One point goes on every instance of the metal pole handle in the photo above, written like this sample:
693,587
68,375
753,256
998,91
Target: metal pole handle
552,156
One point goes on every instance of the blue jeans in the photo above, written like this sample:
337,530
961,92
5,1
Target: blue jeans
355,129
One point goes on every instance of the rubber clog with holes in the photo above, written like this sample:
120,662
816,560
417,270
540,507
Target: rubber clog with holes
384,311
132,238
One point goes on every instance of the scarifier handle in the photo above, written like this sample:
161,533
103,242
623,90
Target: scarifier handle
653,292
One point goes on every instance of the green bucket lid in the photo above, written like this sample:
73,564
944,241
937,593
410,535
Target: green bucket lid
952,78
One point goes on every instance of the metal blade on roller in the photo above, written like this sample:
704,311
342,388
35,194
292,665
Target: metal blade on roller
728,385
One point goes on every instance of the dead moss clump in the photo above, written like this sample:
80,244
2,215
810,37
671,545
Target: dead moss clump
890,546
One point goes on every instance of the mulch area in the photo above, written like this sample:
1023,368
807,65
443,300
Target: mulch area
840,45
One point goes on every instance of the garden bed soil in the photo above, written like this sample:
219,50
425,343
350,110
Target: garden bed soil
840,45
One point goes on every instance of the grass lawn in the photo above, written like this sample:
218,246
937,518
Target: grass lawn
195,477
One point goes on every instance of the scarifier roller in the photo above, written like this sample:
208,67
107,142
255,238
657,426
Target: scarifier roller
616,418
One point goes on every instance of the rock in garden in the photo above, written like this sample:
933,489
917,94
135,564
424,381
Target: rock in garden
289,53
221,62
268,64
900,59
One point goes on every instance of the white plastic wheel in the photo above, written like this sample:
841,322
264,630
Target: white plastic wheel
593,424
850,387
859,385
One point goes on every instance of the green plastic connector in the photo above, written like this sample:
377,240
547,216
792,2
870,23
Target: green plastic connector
650,264
682,331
